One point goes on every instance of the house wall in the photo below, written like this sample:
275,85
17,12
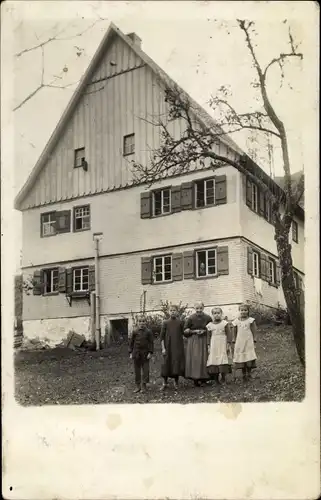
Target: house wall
122,290
117,216
258,230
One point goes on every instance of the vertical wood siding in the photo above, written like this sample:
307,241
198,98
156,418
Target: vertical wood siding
121,99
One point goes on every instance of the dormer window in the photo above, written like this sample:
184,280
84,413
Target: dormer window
80,157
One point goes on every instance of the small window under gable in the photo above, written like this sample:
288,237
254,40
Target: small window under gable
129,144
80,156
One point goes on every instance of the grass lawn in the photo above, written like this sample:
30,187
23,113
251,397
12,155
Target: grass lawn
63,376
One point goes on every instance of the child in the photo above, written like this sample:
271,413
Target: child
141,346
196,348
172,342
244,338
220,337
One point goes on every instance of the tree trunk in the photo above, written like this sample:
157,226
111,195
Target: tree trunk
291,294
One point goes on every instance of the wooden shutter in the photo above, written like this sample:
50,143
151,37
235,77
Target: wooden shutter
145,205
37,283
222,260
92,278
248,192
63,221
261,202
176,199
187,195
220,190
146,265
61,280
267,207
264,267
189,265
250,261
277,274
177,266
69,275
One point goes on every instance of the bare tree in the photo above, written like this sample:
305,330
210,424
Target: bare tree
197,144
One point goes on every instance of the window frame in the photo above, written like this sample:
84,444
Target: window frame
79,268
271,262
78,207
132,150
82,158
254,194
161,190
48,214
163,280
295,232
204,181
50,270
255,253
207,275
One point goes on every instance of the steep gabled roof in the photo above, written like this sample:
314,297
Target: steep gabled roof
200,113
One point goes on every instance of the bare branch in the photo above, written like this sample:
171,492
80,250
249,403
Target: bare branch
28,98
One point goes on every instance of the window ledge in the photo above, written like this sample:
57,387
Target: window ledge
48,235
79,294
210,276
82,230
50,293
162,282
129,154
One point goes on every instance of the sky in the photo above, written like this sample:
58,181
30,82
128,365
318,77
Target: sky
197,43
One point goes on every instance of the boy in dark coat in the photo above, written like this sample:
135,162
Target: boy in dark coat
172,341
141,346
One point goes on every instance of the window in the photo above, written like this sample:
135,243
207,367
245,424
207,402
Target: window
271,271
162,268
254,198
82,218
206,262
50,280
129,144
48,224
295,236
81,279
256,264
205,193
161,202
79,157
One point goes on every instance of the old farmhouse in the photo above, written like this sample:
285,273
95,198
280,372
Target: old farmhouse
199,236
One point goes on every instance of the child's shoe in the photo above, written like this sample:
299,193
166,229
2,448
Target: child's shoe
138,389
164,387
143,388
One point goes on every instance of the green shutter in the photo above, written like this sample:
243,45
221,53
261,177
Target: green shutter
177,266
189,264
69,281
248,192
145,205
62,280
146,270
187,195
92,278
250,261
37,283
176,199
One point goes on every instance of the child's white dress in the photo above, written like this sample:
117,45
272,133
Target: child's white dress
217,359
244,352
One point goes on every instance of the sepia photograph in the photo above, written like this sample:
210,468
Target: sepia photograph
154,247
159,183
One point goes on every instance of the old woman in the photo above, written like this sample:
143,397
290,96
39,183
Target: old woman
196,349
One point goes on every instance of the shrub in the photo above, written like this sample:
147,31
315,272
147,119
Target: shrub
264,315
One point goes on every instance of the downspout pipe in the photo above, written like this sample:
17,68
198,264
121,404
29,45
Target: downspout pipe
97,293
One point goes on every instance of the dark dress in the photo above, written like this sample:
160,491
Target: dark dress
174,360
196,348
